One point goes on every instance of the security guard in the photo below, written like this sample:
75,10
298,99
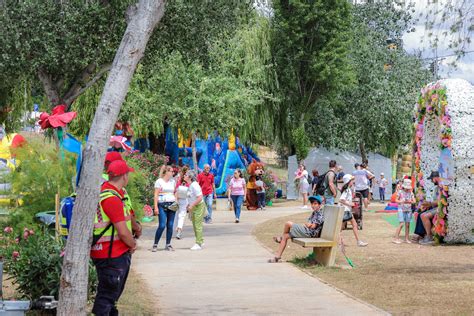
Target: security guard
113,240
110,157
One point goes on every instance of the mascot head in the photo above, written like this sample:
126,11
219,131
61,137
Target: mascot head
255,168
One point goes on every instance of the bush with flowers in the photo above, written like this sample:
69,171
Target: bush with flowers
432,105
33,261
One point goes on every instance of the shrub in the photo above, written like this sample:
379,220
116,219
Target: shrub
42,171
33,260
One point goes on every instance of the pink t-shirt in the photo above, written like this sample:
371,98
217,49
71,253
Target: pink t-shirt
237,186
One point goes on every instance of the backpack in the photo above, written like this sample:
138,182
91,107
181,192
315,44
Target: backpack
65,216
321,185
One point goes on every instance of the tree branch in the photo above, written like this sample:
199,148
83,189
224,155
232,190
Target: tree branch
49,86
84,82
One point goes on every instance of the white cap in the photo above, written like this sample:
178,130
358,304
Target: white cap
347,178
381,174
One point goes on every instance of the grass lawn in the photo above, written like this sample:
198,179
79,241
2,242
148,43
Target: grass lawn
406,279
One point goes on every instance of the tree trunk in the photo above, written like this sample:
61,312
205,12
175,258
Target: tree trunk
363,153
193,144
143,18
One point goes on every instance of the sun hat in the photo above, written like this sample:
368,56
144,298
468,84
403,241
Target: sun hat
118,168
347,178
316,198
406,184
434,174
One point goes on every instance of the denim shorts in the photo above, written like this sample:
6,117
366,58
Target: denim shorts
404,217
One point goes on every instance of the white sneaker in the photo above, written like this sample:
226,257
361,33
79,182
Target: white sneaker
196,247
360,243
304,207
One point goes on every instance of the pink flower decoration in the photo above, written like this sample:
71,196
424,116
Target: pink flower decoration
8,230
15,254
26,233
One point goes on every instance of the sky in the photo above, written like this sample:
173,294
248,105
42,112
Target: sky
419,41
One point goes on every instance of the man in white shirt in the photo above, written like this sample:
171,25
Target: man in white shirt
383,182
362,177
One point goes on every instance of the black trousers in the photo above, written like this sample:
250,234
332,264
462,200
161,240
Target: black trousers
112,275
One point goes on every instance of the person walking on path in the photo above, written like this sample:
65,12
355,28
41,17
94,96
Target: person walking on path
302,176
165,188
346,201
260,193
182,198
196,207
111,253
383,182
330,183
310,229
237,192
405,199
206,181
362,177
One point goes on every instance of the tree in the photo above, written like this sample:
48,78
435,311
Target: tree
66,45
451,22
310,46
229,92
143,18
375,114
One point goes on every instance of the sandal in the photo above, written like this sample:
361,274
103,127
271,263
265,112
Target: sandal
274,260
277,239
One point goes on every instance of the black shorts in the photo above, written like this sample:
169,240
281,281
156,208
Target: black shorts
365,193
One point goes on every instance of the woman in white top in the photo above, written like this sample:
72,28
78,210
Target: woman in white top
304,184
196,207
182,198
165,188
346,201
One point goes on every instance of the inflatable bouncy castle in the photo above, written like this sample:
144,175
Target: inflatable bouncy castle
224,155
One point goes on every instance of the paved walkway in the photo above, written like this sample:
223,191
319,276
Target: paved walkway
231,275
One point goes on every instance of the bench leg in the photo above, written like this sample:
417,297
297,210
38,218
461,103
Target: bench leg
325,256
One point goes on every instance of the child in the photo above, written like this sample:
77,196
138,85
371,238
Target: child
405,199
260,193
311,229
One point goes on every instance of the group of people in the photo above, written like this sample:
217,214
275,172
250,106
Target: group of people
178,193
324,192
184,193
407,207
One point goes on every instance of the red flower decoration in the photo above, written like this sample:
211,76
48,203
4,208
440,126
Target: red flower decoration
58,118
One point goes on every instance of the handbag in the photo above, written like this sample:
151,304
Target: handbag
347,216
173,207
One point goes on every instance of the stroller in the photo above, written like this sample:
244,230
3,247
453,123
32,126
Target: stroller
357,211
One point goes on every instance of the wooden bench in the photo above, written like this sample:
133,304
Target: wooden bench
325,247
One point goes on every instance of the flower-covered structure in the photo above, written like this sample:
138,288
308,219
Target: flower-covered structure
444,141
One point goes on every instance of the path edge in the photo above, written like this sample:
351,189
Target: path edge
378,309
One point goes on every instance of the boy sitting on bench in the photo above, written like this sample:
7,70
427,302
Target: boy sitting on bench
311,229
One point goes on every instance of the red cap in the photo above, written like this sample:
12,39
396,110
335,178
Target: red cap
112,156
118,168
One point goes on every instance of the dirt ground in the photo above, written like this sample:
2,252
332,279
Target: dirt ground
406,279
137,299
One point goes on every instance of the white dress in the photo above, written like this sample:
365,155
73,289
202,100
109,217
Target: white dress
304,184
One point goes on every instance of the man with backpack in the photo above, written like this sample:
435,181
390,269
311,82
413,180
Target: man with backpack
327,184
113,240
